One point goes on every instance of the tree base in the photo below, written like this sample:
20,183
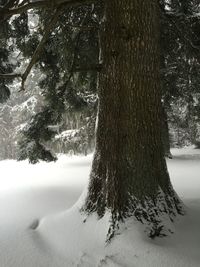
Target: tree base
156,214
70,242
168,155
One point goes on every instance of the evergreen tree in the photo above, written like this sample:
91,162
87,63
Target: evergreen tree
129,176
180,65
63,59
5,65
69,63
73,44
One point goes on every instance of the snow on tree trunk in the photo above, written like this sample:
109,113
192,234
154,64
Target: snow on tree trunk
129,176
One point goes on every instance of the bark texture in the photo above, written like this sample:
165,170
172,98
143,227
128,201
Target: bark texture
165,134
129,176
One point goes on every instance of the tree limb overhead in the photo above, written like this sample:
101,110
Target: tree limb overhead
6,12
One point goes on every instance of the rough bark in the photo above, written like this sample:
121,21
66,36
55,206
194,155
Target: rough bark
165,134
129,176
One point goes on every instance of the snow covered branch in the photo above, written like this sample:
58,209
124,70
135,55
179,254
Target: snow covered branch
7,11
40,46
37,52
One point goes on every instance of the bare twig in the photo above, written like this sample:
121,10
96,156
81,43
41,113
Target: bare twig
10,75
9,4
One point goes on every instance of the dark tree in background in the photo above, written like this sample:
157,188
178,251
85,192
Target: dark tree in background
5,65
69,63
180,47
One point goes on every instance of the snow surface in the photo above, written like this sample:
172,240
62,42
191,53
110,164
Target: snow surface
41,226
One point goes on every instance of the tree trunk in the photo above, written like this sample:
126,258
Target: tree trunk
165,134
129,176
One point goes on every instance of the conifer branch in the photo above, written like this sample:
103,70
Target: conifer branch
76,40
36,53
9,4
185,37
40,46
171,16
6,12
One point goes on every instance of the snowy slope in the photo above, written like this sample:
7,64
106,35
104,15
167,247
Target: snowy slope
43,195
28,192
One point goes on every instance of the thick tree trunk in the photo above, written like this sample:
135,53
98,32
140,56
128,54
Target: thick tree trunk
129,175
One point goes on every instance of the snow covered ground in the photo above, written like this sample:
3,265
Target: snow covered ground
43,195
